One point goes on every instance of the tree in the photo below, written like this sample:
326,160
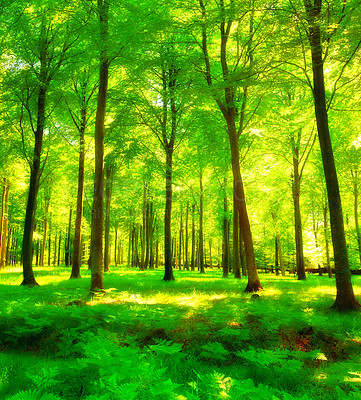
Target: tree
345,299
96,241
227,106
43,38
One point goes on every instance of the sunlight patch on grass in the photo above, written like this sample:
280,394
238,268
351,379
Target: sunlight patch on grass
194,300
271,292
322,290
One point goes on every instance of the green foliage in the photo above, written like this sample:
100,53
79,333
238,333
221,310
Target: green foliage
138,342
33,395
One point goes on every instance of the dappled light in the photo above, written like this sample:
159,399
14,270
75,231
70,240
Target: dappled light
179,200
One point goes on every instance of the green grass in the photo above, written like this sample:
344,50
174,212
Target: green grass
197,338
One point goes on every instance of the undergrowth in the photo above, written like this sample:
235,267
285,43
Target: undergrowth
198,338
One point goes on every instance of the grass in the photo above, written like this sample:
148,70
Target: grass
197,338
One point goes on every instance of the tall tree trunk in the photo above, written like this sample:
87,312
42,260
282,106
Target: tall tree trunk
241,252
46,210
59,249
168,270
280,255
186,263
108,197
96,247
235,231
148,232
27,249
5,229
75,271
345,298
180,241
300,262
354,174
55,252
210,254
327,245
254,283
67,242
226,252
2,210
49,244
193,239
144,226
157,254
201,244
115,246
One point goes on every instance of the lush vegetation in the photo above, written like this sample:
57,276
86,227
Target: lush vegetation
197,338
211,148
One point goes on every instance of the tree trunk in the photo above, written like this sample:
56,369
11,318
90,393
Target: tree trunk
67,242
193,239
186,263
354,174
96,247
210,254
226,252
236,257
3,246
345,298
49,245
280,255
55,252
2,211
157,254
327,245
27,249
115,246
201,244
254,283
46,209
59,249
168,270
180,241
75,271
300,263
108,197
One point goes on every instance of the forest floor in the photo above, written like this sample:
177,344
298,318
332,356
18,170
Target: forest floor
197,338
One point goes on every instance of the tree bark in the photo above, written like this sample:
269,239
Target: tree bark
235,230
67,242
96,247
327,245
5,228
27,249
45,234
180,241
2,211
186,264
226,251
108,198
168,269
354,174
345,298
75,271
300,262
201,244
193,239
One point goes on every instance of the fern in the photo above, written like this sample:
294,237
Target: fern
33,395
235,333
214,351
265,358
46,379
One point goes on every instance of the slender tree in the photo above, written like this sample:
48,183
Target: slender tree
345,298
96,241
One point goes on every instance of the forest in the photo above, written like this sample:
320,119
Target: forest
180,187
